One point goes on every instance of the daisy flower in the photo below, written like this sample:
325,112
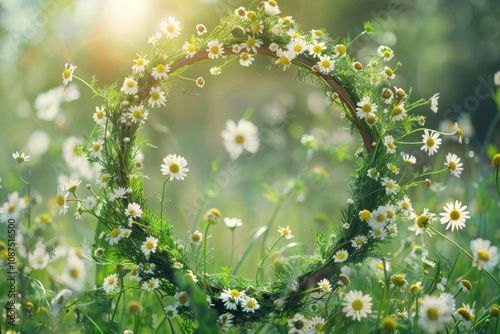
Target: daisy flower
140,63
200,82
150,285
110,283
358,241
466,315
225,321
246,59
341,255
134,275
284,58
389,144
133,210
174,166
214,49
250,304
160,71
316,324
357,305
181,299
485,255
398,112
431,141
434,102
387,95
365,108
138,114
378,218
324,285
454,216
190,49
378,232
285,232
422,222
408,159
147,268
239,137
256,28
149,246
20,158
298,324
365,215
201,29
340,50
61,199
465,286
129,86
388,73
372,172
170,311
398,281
155,38
385,52
297,46
233,223
316,49
172,28
100,116
241,12
196,238
391,187
114,236
392,230
405,205
454,165
58,303
271,8
67,75
433,314
156,97
216,70
231,298
252,44
325,64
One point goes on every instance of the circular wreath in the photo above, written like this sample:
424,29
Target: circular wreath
373,108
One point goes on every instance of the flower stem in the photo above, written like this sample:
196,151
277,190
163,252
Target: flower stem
162,200
264,259
205,256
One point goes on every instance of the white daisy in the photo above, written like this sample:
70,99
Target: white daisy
250,304
357,305
324,285
129,86
378,232
140,64
391,186
387,95
251,44
316,49
160,71
201,29
59,301
175,167
389,144
155,38
325,64
150,285
454,165
297,46
200,82
358,241
285,232
67,74
231,298
133,210
431,141
100,115
422,222
138,114
454,216
214,49
216,70
190,49
114,236
240,137
233,223
20,158
246,59
271,8
485,255
372,172
196,238
341,255
365,108
284,58
110,283
170,311
408,159
388,73
398,112
466,315
157,97
149,246
434,102
385,52
405,205
172,28
181,299
434,313
61,199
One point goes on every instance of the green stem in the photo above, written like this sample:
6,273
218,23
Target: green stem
116,308
232,248
171,326
264,259
416,315
497,184
162,200
268,227
205,256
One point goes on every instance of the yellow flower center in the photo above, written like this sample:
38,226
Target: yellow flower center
66,74
296,35
272,3
99,114
74,272
170,28
234,293
398,280
97,147
298,48
390,214
139,61
250,42
239,139
284,61
200,81
251,303
430,142
325,63
465,314
366,107
386,94
317,49
155,95
137,113
359,242
174,168
214,50
405,205
341,49
245,56
111,281
396,111
341,255
191,48
160,68
390,145
365,215
483,255
422,221
387,54
104,178
147,266
60,201
130,83
389,72
357,305
286,232
389,185
115,232
251,14
432,313
183,299
150,245
455,214
195,237
380,217
151,284
452,165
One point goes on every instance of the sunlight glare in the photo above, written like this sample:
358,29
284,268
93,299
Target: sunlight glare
125,16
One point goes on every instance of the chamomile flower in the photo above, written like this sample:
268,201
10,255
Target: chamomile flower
225,321
174,167
297,324
434,313
62,199
388,73
200,82
231,298
297,46
405,205
365,215
150,285
431,142
155,38
365,108
119,192
434,102
465,286
466,315
284,58
285,232
181,299
67,74
385,52
389,144
239,137
233,223
140,64
271,8
422,222
373,173
250,304
356,305
130,86
190,49
58,302
149,246
399,281
454,216
316,324
316,49
387,95
134,275
246,59
324,285
114,236
160,71
392,230
133,210
20,158
215,49
100,116
241,12
341,255
256,28
156,97
138,114
454,165
196,238
485,255
110,283
170,311
378,232
391,186
358,241
171,28
408,159
201,29
252,44
325,64
216,70
398,112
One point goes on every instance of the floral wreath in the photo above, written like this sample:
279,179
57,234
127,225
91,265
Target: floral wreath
382,114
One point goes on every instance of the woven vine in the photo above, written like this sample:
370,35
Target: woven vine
353,87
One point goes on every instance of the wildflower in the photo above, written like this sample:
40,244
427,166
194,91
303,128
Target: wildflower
231,298
365,215
157,97
405,205
316,324
67,75
160,71
495,311
155,38
100,116
378,218
178,265
433,314
225,321
466,314
110,283
372,172
191,276
431,141
212,216
284,58
239,137
175,167
399,281
391,187
61,199
250,304
241,12
340,50
389,144
170,311
401,314
195,238
246,59
130,86
147,268
357,305
117,193
201,29
271,8
455,215
465,286
59,301
365,108
149,246
427,263
398,112
378,232
416,288
181,299
252,44
392,230
150,285
133,210
421,120
408,159
434,102
495,162
341,255
385,52
496,78
114,236
358,241
285,232
388,73
297,46
233,223
324,285
344,281
316,49
172,28
216,70
325,64
442,284
20,158
298,324
422,222
256,28
454,165
214,49
140,64
485,255
200,82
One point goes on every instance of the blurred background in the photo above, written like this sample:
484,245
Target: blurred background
445,46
